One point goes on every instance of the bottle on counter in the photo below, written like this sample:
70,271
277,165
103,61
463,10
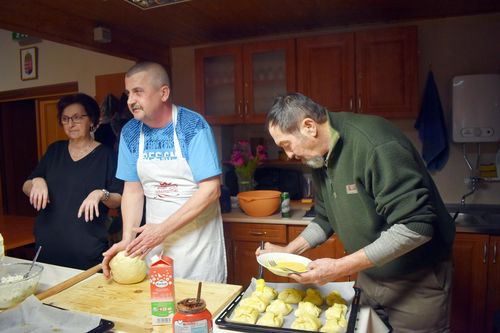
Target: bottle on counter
285,205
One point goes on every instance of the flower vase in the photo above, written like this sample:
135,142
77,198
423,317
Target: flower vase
245,183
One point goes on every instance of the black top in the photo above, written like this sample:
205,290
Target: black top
66,239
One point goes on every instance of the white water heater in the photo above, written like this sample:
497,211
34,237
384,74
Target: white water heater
476,108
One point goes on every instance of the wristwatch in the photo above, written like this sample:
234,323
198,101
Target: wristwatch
106,195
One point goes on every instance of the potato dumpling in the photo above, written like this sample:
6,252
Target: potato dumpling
334,326
278,306
245,314
307,308
127,270
258,303
306,322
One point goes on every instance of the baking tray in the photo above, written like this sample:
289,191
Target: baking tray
104,325
223,320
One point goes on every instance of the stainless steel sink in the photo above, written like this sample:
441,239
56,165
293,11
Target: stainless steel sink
492,218
468,219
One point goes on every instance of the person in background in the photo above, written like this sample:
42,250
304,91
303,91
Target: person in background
104,132
168,154
373,190
72,187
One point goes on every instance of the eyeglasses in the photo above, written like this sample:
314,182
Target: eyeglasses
76,119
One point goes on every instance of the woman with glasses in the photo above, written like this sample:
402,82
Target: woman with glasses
72,187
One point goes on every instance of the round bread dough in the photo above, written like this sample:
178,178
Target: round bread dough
127,270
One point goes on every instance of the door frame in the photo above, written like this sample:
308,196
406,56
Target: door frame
55,90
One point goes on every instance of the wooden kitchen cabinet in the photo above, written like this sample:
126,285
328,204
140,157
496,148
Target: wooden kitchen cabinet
243,240
370,72
332,248
237,84
476,282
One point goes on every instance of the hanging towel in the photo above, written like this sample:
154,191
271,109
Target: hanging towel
431,128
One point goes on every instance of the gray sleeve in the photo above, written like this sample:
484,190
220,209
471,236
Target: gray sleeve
314,235
393,243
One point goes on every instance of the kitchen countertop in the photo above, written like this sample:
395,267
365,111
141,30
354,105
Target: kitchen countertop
298,210
485,219
368,321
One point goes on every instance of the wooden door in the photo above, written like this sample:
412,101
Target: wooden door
48,128
470,252
109,84
219,84
18,154
493,300
386,72
325,70
268,71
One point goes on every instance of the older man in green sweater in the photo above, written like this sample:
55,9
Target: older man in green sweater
374,191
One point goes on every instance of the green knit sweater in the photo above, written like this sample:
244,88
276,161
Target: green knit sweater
373,179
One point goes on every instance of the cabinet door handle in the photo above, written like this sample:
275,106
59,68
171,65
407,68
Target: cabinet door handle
246,108
485,253
495,253
258,233
350,103
359,105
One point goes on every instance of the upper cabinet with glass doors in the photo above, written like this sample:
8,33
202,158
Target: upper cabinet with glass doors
237,84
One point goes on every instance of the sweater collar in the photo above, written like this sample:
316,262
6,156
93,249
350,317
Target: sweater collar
334,139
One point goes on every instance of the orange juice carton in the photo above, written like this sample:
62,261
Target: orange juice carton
161,283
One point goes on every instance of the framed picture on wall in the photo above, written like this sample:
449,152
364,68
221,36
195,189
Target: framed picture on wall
28,58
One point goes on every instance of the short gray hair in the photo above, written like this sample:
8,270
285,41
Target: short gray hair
289,110
159,75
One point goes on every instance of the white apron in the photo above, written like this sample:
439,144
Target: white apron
197,248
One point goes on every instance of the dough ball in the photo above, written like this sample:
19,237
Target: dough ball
127,270
336,311
313,296
291,295
334,297
258,303
279,307
334,326
307,308
306,322
271,319
245,314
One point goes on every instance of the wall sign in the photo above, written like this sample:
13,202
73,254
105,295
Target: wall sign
29,63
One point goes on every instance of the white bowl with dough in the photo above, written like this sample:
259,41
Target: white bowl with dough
127,270
292,261
14,287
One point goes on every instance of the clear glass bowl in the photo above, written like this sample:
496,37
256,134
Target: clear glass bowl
14,288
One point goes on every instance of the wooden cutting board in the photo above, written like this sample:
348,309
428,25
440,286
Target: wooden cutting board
128,306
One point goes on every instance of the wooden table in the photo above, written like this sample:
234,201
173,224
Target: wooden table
16,230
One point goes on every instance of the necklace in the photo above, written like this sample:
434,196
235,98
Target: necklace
78,154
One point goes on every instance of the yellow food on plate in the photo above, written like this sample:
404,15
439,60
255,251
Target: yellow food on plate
336,311
280,307
291,295
313,296
264,291
307,308
306,322
245,314
296,266
271,319
334,326
334,297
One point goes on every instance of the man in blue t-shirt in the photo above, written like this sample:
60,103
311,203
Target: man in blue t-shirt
168,154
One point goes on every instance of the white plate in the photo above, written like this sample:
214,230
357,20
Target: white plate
263,260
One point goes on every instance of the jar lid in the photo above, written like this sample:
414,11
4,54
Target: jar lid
191,305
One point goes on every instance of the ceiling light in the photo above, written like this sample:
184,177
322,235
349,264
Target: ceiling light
148,4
